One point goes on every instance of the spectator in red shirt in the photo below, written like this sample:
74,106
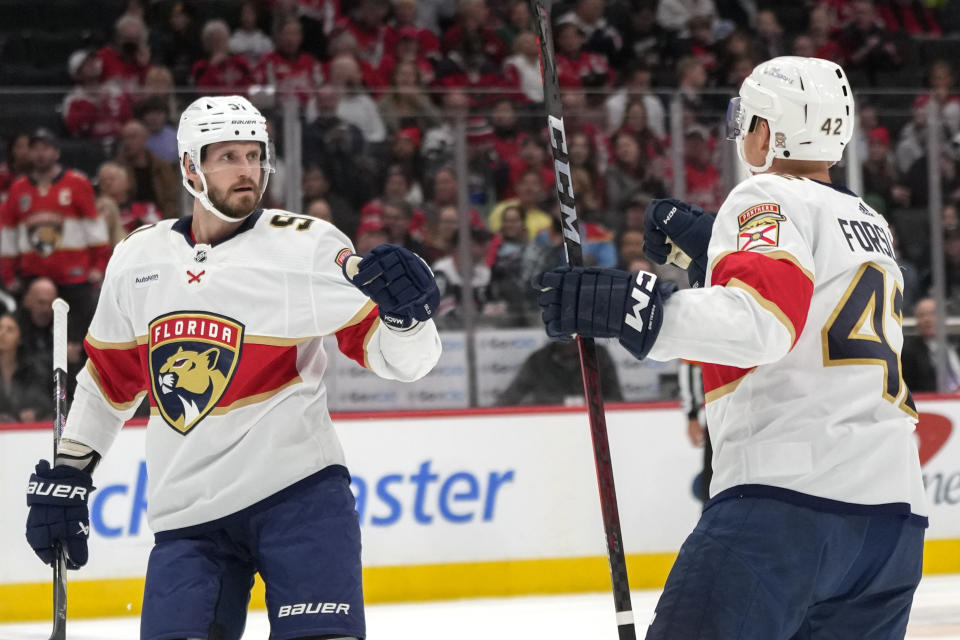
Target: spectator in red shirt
49,227
472,45
576,67
126,60
288,70
532,155
702,176
220,72
116,182
822,32
343,42
93,109
16,162
507,135
866,44
368,25
701,44
406,47
404,19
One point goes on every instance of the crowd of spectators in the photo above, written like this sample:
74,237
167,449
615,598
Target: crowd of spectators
382,85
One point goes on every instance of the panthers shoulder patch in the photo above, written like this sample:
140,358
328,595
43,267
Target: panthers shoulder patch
193,356
759,227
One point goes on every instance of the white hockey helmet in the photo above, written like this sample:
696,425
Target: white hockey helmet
807,102
220,119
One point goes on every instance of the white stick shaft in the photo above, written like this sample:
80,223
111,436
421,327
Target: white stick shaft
60,309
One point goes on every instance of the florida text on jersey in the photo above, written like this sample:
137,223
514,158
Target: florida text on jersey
227,344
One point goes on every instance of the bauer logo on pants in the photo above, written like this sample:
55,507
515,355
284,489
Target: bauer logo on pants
193,357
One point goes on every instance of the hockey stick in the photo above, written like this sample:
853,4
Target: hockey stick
588,350
60,310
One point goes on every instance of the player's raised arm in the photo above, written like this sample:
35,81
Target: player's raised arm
403,342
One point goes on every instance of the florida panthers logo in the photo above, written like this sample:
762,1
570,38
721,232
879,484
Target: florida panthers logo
44,232
760,227
193,357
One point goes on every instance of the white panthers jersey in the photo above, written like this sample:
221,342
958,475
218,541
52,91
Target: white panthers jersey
800,323
227,344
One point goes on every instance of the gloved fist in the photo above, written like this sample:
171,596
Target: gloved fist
673,223
59,513
398,280
603,303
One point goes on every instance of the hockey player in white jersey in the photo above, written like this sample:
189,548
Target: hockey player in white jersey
220,319
817,513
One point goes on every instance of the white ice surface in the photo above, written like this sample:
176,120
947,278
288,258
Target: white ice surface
936,614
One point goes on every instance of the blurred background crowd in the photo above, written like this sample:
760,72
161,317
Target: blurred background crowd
421,123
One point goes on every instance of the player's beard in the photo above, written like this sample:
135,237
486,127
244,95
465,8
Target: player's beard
221,199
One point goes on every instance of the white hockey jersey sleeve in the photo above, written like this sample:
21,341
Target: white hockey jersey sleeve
111,385
759,282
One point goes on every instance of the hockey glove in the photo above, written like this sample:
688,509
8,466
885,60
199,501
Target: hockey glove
59,513
671,225
399,281
604,303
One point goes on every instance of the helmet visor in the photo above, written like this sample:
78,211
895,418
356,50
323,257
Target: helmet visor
734,119
237,156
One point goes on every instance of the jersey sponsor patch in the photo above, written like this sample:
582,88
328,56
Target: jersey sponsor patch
342,256
759,227
193,357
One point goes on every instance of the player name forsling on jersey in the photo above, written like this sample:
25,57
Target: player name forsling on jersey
775,237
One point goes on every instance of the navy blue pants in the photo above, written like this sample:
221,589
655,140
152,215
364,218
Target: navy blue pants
764,569
304,542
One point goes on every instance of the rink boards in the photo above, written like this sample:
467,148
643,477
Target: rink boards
453,504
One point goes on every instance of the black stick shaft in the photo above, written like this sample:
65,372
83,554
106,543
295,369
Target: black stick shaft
588,351
60,310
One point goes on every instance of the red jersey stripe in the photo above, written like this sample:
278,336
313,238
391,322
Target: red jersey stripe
353,339
719,380
262,368
777,284
119,372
